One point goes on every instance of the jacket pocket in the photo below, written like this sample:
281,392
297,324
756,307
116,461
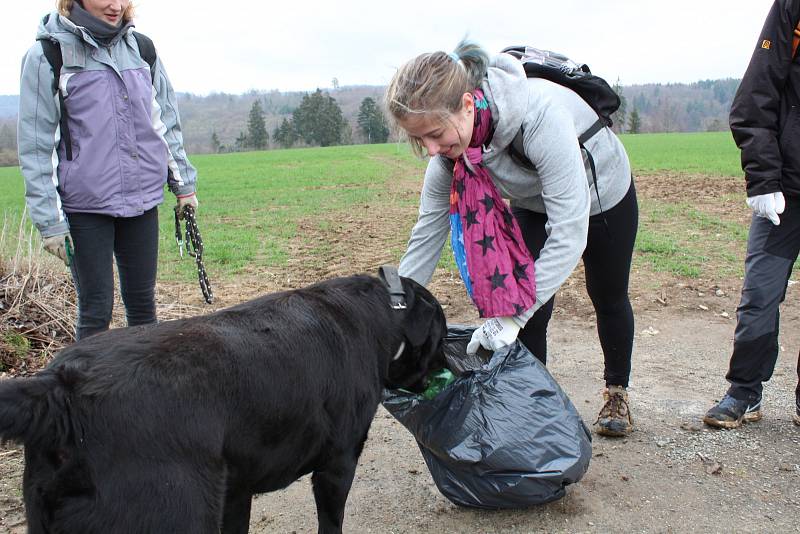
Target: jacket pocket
66,169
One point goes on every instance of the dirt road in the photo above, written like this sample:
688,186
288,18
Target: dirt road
671,475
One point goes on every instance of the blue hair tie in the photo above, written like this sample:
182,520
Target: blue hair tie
454,57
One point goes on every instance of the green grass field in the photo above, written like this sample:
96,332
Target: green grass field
707,153
676,236
251,203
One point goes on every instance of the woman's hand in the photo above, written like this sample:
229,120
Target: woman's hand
186,200
57,246
494,334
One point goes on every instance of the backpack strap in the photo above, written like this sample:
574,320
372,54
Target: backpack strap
52,52
598,125
148,52
517,152
517,148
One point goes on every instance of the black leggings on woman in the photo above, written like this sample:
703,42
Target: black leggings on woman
98,239
607,262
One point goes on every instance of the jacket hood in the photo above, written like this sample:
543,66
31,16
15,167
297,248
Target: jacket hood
506,86
54,26
60,28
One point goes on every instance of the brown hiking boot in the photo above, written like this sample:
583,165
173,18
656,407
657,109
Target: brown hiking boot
614,419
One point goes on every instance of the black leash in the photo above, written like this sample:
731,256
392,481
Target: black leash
194,247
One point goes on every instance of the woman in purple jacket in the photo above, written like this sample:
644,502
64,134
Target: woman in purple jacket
96,146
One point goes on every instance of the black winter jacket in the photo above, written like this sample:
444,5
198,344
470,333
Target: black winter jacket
765,118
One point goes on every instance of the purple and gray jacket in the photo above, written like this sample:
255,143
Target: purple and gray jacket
125,129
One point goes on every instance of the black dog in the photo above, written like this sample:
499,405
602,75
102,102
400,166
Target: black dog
174,427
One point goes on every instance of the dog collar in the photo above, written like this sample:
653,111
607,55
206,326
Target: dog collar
391,278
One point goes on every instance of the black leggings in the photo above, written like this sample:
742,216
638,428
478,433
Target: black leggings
133,241
607,262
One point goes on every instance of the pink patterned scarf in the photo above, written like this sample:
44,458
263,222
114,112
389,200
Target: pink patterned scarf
495,265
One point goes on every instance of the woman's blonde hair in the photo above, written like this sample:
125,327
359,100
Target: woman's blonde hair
433,84
65,6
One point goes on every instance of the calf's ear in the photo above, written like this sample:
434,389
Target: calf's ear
424,329
424,321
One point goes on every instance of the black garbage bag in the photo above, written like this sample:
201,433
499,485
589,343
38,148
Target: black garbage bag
502,434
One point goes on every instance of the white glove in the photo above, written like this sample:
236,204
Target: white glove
186,200
494,334
57,246
768,206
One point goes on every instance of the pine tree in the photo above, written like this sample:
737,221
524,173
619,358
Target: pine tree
619,117
276,135
371,122
241,143
634,122
215,144
284,134
256,128
318,120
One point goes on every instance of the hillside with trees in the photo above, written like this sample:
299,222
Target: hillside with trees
229,117
699,107
259,120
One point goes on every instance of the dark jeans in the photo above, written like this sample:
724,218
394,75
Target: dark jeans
771,253
607,263
133,241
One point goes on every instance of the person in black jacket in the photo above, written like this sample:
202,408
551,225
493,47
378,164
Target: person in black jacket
765,121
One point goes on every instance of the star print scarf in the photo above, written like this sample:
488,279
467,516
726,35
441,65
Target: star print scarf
495,264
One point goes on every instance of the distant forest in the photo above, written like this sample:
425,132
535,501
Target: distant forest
215,122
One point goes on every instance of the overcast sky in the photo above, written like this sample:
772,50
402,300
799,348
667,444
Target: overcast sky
303,44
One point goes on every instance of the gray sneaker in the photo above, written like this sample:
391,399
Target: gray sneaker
731,412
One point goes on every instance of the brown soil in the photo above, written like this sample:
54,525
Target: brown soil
671,475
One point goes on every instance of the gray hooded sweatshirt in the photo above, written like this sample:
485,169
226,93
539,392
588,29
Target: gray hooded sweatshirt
551,118
126,134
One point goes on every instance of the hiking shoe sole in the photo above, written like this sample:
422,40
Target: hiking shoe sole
614,419
609,433
749,417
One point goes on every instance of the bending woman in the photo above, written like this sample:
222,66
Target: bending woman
465,109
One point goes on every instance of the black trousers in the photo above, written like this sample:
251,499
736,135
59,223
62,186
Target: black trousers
771,253
133,241
607,263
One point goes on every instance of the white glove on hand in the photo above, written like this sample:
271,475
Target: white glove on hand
494,334
57,246
186,200
768,206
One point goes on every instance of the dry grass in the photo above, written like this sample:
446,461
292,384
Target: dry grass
38,302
